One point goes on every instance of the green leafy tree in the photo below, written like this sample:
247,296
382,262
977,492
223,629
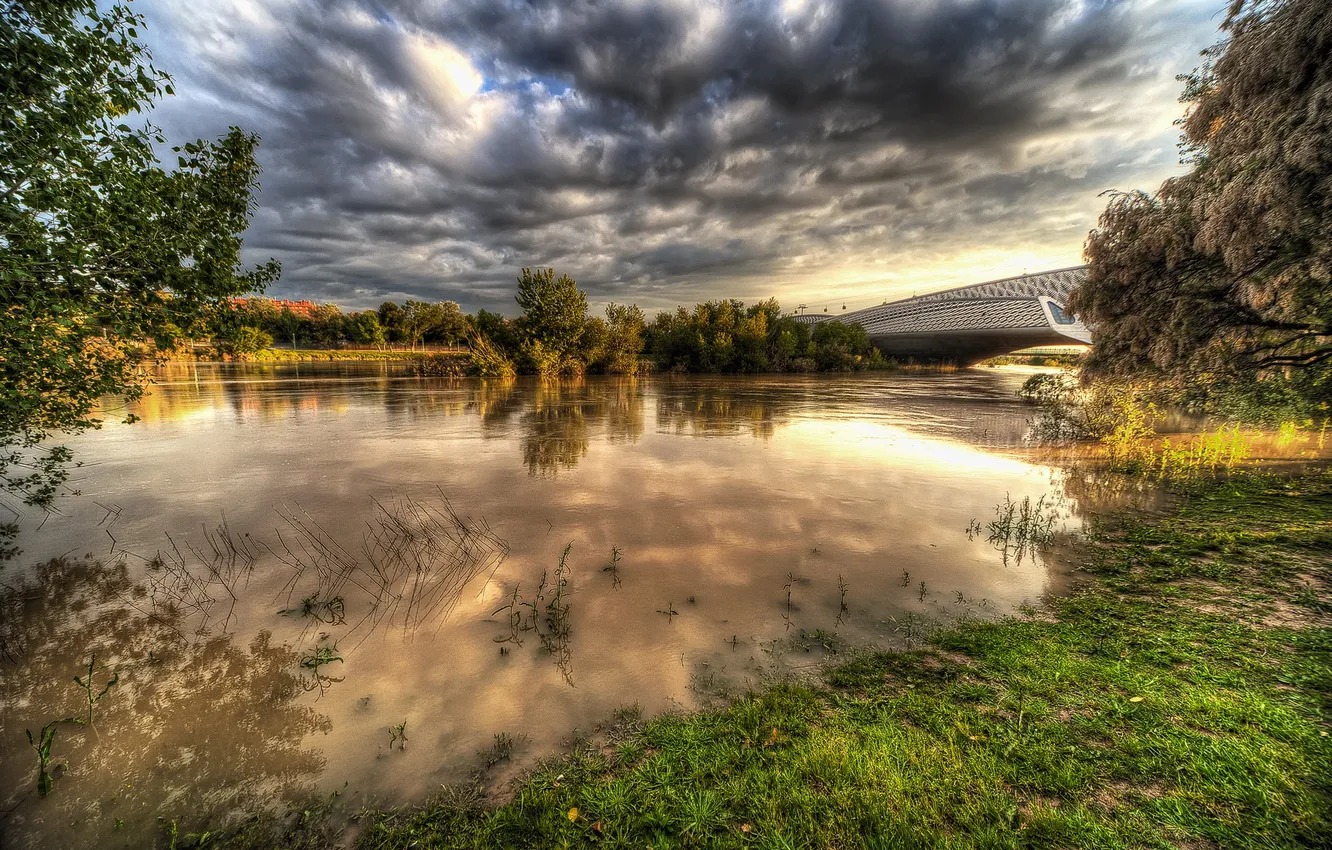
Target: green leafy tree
327,324
554,317
839,347
259,312
101,249
364,328
450,326
291,326
390,320
624,338
595,344
416,318
247,341
1228,268
497,329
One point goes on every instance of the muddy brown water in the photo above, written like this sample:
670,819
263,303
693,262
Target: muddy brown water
408,510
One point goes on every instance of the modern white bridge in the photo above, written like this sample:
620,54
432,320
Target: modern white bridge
973,323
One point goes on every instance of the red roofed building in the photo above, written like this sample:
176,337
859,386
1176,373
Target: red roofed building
304,309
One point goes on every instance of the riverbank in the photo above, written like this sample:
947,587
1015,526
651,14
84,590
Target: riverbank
1179,698
457,363
281,355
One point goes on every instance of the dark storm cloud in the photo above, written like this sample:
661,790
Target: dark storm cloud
663,151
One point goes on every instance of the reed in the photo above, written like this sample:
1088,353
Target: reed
557,636
413,560
1020,529
842,609
613,567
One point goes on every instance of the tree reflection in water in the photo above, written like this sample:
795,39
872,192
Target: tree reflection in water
720,411
193,731
563,415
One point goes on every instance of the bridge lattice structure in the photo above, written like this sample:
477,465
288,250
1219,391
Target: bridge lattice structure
976,322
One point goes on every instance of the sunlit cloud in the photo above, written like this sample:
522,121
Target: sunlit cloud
666,151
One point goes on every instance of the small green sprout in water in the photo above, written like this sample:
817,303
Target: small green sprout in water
829,641
320,656
906,578
502,749
398,736
317,659
922,591
614,566
93,695
42,745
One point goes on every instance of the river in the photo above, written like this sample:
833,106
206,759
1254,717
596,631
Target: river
282,563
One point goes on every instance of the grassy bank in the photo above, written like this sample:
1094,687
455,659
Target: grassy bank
1180,698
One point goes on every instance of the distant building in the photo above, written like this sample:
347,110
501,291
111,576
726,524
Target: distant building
304,309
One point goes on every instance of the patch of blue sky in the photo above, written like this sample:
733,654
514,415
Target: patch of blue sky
553,85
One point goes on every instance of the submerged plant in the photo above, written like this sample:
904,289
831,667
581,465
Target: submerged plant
530,623
515,617
669,611
93,695
398,735
328,611
614,566
558,631
1019,529
320,656
315,660
501,749
42,745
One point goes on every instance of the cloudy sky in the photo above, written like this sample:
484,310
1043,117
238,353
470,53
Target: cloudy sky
671,151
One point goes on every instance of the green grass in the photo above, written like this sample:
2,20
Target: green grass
1179,698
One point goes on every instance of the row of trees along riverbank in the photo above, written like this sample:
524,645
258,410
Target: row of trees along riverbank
556,335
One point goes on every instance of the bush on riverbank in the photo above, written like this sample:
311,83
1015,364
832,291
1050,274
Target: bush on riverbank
1123,415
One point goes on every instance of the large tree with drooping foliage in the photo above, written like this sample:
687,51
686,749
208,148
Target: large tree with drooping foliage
1228,268
102,250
